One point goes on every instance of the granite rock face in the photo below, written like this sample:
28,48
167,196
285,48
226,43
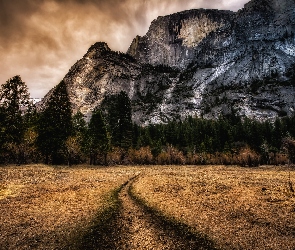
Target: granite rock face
198,62
102,72
172,40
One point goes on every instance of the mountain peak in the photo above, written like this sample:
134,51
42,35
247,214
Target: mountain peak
277,6
198,63
97,49
172,40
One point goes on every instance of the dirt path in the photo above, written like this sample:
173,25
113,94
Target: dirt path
142,229
135,226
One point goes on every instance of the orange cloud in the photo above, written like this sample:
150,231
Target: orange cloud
41,39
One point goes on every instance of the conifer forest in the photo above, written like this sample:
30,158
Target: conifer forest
52,134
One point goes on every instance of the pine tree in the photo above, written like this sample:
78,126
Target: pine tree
14,97
14,101
98,139
125,121
79,124
55,125
117,109
74,144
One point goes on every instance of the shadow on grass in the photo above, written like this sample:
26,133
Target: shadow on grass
102,232
184,235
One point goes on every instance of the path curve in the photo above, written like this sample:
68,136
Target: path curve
138,230
136,226
142,228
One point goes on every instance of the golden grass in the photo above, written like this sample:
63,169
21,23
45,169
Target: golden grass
45,208
239,208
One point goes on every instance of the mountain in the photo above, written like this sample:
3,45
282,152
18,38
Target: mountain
198,62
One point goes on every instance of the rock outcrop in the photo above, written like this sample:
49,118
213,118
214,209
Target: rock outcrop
198,62
172,40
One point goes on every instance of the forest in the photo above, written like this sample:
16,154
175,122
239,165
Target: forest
52,134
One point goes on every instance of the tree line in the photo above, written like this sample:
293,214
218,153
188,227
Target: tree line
54,135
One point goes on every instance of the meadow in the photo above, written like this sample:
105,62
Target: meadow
44,207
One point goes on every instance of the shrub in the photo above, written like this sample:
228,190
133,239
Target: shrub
193,159
277,159
142,156
289,146
114,157
163,159
171,156
248,157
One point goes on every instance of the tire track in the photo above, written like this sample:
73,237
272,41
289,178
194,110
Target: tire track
136,226
144,228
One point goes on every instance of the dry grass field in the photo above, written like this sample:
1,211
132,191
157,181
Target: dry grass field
45,207
239,208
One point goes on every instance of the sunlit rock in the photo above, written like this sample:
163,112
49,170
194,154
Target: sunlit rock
198,63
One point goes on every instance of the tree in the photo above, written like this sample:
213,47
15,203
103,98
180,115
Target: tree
74,143
73,149
98,138
55,125
14,101
14,97
117,109
289,146
79,124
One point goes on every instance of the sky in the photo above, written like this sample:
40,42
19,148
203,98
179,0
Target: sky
41,39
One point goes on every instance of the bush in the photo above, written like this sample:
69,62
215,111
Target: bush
142,156
114,157
171,156
289,146
248,158
277,159
193,159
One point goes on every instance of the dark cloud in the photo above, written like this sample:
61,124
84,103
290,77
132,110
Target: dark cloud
42,39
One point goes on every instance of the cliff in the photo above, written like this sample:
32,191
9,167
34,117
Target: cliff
172,40
198,62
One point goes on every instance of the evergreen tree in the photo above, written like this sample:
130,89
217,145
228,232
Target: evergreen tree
117,109
98,139
124,132
14,97
14,101
2,134
55,125
74,144
79,124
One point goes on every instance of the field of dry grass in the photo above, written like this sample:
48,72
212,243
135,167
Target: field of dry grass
47,208
239,208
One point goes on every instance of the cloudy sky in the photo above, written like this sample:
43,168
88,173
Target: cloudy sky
41,39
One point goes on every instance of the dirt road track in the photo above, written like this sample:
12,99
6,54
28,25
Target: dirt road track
136,226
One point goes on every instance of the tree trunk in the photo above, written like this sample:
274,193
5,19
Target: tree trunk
105,159
90,159
46,159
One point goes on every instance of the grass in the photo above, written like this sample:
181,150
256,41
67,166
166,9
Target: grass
174,227
104,226
238,208
97,234
46,207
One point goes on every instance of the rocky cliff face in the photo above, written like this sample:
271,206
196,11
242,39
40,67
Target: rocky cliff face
198,62
102,72
172,40
248,63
